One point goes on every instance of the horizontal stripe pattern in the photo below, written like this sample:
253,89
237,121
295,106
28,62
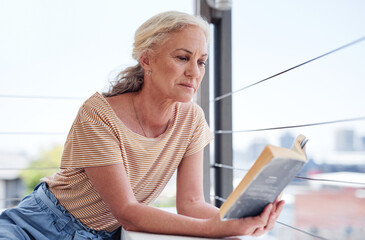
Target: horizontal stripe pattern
99,138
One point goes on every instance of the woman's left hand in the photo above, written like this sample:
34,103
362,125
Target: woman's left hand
278,206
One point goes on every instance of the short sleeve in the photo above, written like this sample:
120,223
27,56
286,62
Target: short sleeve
201,136
89,145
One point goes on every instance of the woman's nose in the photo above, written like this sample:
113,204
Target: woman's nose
192,70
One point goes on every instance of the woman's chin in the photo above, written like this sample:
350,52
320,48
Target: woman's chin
185,99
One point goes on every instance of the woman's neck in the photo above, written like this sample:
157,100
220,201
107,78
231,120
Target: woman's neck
152,113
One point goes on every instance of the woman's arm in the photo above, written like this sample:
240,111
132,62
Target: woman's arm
112,184
190,196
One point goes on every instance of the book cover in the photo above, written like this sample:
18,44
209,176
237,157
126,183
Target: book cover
266,179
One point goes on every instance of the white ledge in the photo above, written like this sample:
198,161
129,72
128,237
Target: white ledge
129,235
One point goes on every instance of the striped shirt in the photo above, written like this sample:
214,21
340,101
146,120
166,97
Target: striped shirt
98,138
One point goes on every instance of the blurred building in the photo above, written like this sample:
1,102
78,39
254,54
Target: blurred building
255,149
362,144
332,209
344,140
287,140
11,186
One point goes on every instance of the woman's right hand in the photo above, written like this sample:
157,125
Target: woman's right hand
253,226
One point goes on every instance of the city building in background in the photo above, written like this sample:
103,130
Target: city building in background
11,185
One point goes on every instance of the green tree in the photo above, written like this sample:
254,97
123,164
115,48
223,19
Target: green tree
44,165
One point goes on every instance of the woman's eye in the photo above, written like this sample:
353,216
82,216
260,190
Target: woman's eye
202,63
183,58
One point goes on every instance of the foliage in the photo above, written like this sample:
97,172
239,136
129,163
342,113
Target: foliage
44,165
164,201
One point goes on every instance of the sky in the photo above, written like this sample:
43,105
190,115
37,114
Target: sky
272,36
62,48
74,48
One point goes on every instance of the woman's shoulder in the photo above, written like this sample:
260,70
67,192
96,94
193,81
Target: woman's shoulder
93,108
94,101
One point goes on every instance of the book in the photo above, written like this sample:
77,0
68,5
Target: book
265,180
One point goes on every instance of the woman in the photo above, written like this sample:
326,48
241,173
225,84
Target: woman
124,146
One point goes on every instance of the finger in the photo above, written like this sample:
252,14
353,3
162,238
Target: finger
260,221
263,218
279,197
267,211
274,215
279,207
258,232
274,204
271,222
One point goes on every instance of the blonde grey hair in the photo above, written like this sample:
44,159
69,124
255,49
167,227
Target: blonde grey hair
150,35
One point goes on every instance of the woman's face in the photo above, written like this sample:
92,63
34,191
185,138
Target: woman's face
179,65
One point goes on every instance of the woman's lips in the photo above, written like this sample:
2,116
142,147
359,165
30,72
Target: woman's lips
187,85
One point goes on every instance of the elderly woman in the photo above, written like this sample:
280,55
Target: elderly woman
125,145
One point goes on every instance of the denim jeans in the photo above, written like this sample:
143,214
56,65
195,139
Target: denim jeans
39,216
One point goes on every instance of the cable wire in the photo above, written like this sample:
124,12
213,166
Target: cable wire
219,198
292,126
289,69
219,165
41,97
33,133
302,231
33,168
329,180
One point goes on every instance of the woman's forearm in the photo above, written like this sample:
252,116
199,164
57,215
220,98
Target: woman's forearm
199,209
139,217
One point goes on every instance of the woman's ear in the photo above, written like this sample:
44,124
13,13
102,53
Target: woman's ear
145,61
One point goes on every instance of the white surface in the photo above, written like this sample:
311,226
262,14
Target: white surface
128,235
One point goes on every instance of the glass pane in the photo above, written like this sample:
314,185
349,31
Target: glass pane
270,37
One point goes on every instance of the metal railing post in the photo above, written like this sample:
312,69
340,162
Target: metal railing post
223,150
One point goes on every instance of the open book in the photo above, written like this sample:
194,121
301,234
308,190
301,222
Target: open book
265,180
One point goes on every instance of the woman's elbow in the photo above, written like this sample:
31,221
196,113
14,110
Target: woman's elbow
185,207
127,217
181,210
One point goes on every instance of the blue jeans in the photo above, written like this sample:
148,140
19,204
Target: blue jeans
39,216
